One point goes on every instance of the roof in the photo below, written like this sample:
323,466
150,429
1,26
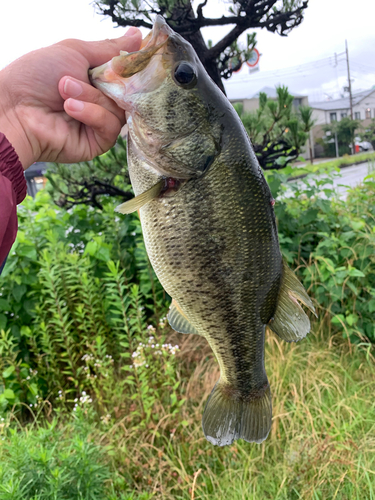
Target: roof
343,103
239,89
271,92
331,105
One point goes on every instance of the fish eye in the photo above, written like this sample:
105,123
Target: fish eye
185,75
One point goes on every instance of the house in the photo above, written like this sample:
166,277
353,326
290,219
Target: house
336,109
35,178
237,93
241,94
331,111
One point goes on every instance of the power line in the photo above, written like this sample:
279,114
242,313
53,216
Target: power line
372,68
302,70
362,70
296,70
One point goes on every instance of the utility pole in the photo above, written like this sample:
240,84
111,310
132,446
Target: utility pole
350,92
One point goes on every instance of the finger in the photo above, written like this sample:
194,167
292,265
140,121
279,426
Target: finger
70,87
105,125
98,53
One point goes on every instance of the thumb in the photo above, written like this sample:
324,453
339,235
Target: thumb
98,53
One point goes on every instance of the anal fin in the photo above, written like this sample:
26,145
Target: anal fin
178,320
290,322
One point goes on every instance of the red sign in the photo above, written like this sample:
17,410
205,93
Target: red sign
254,58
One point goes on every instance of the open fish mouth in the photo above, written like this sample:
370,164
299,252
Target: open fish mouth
126,74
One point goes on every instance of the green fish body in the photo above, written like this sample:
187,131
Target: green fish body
209,226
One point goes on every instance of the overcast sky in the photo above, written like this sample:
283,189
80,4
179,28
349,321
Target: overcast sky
304,60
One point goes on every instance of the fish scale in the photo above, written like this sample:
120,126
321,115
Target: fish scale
232,309
208,224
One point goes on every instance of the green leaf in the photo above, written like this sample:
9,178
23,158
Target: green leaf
356,225
103,254
9,394
27,251
8,371
338,319
356,272
352,319
3,321
91,248
19,291
4,305
33,389
26,331
309,216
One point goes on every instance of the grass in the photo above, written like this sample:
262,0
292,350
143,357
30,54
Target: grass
140,435
321,446
322,440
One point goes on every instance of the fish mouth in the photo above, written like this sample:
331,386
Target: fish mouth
125,74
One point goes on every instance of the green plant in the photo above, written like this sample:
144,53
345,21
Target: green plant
57,301
108,406
331,241
345,130
276,131
50,462
369,133
90,182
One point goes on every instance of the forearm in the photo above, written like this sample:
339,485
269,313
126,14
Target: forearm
10,122
12,192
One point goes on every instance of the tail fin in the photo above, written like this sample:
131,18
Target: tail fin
228,417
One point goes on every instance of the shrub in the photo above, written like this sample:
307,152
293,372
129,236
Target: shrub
50,462
78,293
331,242
63,297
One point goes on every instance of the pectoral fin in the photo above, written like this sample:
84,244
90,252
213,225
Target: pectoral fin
290,321
139,201
178,320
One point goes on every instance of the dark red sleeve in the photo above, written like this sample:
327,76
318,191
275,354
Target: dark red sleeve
12,192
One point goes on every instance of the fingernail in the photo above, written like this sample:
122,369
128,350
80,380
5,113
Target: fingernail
72,88
131,31
75,105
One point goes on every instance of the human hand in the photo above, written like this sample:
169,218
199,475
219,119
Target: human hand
48,109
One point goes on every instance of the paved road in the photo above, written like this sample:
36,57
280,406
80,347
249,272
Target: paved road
350,177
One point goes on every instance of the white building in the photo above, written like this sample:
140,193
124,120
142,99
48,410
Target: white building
330,111
251,102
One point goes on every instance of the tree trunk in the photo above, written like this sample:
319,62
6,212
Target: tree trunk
197,41
210,64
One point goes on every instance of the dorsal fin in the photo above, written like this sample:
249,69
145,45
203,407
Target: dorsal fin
139,201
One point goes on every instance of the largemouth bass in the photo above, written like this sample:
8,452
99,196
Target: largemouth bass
208,223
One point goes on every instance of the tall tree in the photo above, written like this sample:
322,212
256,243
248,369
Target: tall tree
277,16
277,131
344,131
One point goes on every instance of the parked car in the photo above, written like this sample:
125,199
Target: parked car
363,145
